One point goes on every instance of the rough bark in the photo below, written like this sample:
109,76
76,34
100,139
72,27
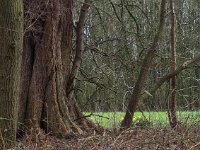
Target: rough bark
11,43
136,95
26,73
67,33
47,73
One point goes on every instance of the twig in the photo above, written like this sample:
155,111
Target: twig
194,146
90,116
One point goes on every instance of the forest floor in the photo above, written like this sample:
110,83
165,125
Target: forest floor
130,139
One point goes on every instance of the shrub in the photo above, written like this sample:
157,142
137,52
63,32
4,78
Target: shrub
141,121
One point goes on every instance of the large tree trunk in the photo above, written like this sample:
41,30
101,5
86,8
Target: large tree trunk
11,45
46,69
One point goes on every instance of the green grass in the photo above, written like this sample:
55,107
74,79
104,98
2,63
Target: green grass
113,119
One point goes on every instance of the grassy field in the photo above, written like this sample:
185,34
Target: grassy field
113,119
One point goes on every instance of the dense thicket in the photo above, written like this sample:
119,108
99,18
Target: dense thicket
117,37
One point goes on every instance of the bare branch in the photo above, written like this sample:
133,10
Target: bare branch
79,45
165,78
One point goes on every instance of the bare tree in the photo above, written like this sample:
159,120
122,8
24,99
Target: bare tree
139,85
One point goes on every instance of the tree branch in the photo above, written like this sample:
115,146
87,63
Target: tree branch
79,45
165,78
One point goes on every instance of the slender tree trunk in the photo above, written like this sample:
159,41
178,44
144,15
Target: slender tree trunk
137,92
11,45
172,100
74,109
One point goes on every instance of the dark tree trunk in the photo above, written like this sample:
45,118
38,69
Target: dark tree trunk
137,92
172,100
11,45
46,69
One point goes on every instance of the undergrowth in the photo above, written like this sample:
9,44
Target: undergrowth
154,119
